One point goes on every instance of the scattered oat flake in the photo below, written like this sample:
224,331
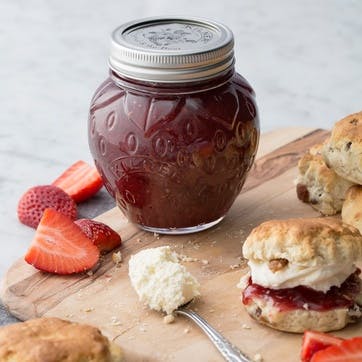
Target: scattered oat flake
168,319
117,258
139,240
89,310
258,358
245,326
89,273
204,261
186,330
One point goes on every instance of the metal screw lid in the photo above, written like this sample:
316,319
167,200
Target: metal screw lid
171,49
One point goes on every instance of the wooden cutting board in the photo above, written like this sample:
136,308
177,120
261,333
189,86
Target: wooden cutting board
106,298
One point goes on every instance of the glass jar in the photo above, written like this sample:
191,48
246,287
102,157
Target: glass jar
174,129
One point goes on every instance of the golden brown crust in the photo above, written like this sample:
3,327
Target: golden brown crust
55,340
352,207
308,242
319,185
348,128
343,150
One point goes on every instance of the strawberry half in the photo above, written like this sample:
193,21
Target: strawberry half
80,181
316,341
59,246
350,350
101,234
33,203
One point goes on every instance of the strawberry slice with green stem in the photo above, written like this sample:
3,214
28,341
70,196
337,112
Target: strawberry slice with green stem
349,350
104,237
80,181
60,247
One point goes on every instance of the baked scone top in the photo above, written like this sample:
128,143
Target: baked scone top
352,207
55,340
348,129
308,242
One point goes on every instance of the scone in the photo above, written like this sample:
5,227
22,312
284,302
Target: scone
343,151
302,274
55,340
160,281
319,185
352,207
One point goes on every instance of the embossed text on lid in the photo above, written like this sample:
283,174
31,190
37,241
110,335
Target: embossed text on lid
171,49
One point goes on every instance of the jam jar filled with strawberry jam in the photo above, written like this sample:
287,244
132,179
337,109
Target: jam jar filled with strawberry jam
174,129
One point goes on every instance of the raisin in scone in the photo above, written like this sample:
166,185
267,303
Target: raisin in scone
343,151
318,185
303,274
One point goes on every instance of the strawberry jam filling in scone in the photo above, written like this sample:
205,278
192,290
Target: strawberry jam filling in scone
303,274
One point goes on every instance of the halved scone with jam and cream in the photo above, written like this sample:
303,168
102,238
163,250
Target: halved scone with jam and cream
303,274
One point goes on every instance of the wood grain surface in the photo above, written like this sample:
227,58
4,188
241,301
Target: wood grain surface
106,298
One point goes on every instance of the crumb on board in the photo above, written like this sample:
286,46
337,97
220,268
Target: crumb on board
115,321
186,258
117,258
168,319
90,309
258,358
187,330
245,326
234,266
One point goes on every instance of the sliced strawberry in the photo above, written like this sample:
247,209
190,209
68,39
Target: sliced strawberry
101,234
80,181
315,341
33,203
350,350
60,247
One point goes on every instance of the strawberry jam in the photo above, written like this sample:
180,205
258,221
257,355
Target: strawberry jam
303,297
174,145
174,129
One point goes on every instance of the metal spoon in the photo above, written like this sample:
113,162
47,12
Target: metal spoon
228,350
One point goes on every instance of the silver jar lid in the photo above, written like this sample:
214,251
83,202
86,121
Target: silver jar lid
171,49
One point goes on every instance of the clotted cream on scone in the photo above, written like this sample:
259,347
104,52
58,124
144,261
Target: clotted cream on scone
303,274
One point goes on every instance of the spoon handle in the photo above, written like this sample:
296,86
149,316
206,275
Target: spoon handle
229,351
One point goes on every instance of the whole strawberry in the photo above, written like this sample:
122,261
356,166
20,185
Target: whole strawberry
101,234
33,203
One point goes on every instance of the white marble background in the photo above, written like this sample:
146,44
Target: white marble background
304,59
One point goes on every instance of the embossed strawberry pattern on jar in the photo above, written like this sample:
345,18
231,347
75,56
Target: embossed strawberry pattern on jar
174,129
